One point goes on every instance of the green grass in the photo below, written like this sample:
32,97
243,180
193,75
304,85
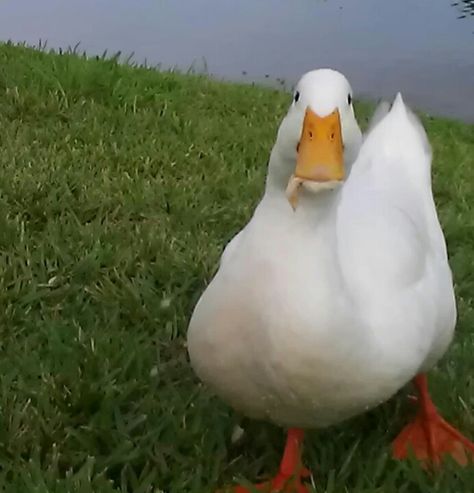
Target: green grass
119,187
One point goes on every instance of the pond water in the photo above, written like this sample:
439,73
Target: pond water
424,48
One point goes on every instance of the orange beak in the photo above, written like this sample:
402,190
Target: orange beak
320,150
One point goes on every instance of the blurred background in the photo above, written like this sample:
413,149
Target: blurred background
424,48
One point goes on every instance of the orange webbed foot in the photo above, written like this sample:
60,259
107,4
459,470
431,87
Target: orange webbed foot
430,437
290,477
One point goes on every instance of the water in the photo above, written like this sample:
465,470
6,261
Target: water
424,48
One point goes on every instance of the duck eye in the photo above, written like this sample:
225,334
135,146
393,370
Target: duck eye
297,96
349,99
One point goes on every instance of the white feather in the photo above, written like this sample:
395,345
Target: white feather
319,314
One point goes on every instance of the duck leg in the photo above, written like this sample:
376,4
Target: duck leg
291,472
430,436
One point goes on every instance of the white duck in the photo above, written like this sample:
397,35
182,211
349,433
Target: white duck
338,291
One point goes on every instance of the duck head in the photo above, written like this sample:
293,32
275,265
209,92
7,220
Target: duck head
319,137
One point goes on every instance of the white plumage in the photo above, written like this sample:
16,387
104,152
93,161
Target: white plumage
321,313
